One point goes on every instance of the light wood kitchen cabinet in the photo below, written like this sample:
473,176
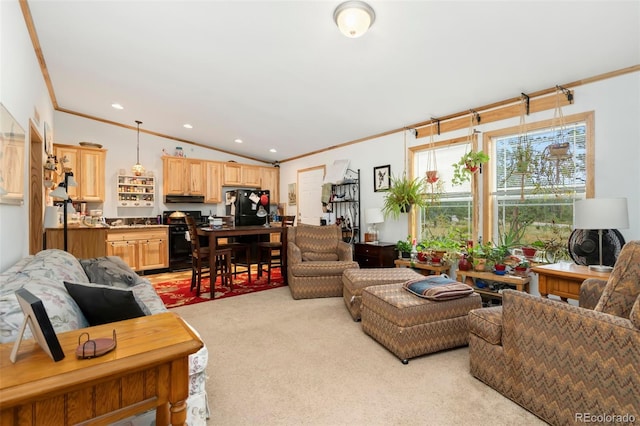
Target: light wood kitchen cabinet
183,176
83,242
213,182
88,167
270,179
236,174
232,174
141,248
251,175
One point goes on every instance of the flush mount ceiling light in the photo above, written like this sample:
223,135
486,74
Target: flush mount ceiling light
354,18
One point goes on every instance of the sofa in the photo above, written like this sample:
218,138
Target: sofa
44,275
566,364
316,259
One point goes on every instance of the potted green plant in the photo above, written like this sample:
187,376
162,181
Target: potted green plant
522,268
402,194
467,166
497,255
404,248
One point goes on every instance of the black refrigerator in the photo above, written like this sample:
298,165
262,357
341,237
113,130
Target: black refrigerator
245,205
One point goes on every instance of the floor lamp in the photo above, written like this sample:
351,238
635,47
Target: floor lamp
67,207
600,214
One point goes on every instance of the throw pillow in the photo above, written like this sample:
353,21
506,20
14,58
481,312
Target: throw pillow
438,287
110,270
103,304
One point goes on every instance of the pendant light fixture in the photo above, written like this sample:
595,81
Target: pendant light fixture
138,170
354,18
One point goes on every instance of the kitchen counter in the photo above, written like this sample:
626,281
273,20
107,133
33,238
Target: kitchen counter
137,226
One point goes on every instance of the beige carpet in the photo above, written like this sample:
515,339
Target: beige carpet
278,361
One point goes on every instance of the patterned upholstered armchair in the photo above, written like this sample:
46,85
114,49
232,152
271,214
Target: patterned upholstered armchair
316,258
561,361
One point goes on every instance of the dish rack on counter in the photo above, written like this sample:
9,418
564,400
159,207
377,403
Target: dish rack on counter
136,191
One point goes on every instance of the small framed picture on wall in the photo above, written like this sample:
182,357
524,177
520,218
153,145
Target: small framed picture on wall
381,178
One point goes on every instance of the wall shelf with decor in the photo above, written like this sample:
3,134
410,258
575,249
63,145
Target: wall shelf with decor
345,205
136,191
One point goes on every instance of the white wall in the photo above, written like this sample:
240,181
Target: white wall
616,103
22,92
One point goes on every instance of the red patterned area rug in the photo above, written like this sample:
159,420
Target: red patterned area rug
177,293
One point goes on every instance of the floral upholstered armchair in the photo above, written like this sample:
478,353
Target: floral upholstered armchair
560,361
316,258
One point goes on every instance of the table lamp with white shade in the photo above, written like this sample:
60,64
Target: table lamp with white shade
373,216
600,214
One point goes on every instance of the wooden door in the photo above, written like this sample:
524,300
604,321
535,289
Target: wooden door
232,174
36,207
152,254
251,176
195,173
213,182
173,176
310,195
269,180
68,159
126,250
91,179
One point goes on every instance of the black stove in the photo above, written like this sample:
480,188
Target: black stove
179,246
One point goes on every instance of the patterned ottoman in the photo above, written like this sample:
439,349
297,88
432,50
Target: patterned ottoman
410,326
354,280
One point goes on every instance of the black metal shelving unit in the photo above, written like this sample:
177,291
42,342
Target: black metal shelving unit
345,204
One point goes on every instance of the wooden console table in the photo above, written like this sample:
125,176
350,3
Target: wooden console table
564,279
424,268
149,368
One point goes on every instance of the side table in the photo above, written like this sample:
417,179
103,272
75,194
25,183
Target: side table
564,279
148,369
424,268
375,255
520,283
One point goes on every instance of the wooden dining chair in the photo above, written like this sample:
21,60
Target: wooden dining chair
238,249
200,262
270,253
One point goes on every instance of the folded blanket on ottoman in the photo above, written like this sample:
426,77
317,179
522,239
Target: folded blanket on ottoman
438,287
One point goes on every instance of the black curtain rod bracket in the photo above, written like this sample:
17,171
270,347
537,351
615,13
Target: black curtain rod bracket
526,101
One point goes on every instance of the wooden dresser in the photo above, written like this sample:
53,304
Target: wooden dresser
149,368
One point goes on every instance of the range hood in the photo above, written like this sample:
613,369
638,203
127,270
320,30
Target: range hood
184,199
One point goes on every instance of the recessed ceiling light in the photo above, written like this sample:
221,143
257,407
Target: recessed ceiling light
237,140
187,126
273,150
117,106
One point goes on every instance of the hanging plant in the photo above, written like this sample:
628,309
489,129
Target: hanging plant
432,176
471,161
468,164
402,194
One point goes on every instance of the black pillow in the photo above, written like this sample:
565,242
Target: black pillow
102,304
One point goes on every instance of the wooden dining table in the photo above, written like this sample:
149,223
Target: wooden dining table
252,230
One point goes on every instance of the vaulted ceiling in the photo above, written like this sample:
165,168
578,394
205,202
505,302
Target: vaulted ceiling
279,74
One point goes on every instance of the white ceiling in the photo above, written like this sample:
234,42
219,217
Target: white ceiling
279,74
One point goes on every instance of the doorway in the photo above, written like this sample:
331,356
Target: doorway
310,195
